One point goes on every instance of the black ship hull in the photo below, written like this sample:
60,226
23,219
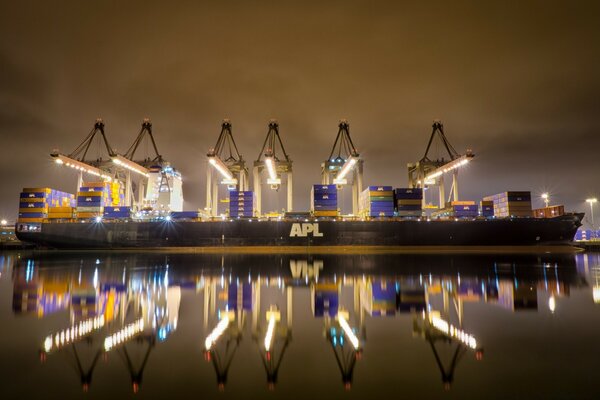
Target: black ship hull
251,233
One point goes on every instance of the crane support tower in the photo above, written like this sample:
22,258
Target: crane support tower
276,163
427,172
78,158
162,186
227,160
343,160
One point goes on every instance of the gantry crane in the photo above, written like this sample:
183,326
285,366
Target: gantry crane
163,186
343,160
427,172
227,160
276,165
78,159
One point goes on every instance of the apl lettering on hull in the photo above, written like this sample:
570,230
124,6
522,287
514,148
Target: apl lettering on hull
304,229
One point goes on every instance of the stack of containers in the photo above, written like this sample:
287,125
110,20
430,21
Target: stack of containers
464,209
409,202
323,201
486,208
241,204
377,201
117,212
511,204
34,203
379,298
549,212
92,198
325,299
60,212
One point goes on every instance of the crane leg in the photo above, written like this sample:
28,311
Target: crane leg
256,179
455,184
290,191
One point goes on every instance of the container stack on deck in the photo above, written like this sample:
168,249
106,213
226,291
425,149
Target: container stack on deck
549,212
377,201
409,202
241,204
34,203
511,204
486,208
323,201
119,212
458,209
94,196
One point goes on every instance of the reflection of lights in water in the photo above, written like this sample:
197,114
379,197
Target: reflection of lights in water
596,294
347,330
73,333
452,331
124,334
552,304
217,332
270,329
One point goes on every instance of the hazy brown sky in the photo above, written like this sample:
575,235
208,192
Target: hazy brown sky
517,82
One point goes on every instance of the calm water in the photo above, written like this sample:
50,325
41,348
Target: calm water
297,326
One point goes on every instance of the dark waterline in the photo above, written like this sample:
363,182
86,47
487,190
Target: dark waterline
524,326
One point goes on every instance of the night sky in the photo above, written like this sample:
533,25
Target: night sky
517,83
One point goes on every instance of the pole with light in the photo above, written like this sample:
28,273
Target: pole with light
546,199
592,201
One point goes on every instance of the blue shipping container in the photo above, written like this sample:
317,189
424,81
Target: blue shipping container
380,188
39,195
32,205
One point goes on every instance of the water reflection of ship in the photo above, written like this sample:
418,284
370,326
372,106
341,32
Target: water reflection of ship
134,302
130,316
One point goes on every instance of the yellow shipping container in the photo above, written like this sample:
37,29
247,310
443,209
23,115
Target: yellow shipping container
383,193
33,210
60,215
409,202
32,200
30,220
462,203
90,194
60,209
95,184
326,213
88,214
36,190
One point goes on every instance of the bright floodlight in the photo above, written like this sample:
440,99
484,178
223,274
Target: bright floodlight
218,331
3,222
221,167
592,200
130,165
98,219
347,167
273,179
342,319
80,166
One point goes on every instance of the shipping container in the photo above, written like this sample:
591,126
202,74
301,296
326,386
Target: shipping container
549,212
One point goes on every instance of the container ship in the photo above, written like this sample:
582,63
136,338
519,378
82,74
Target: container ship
379,225
104,215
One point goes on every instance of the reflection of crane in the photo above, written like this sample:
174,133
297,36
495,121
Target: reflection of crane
227,160
276,163
345,345
436,328
277,337
343,160
427,172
